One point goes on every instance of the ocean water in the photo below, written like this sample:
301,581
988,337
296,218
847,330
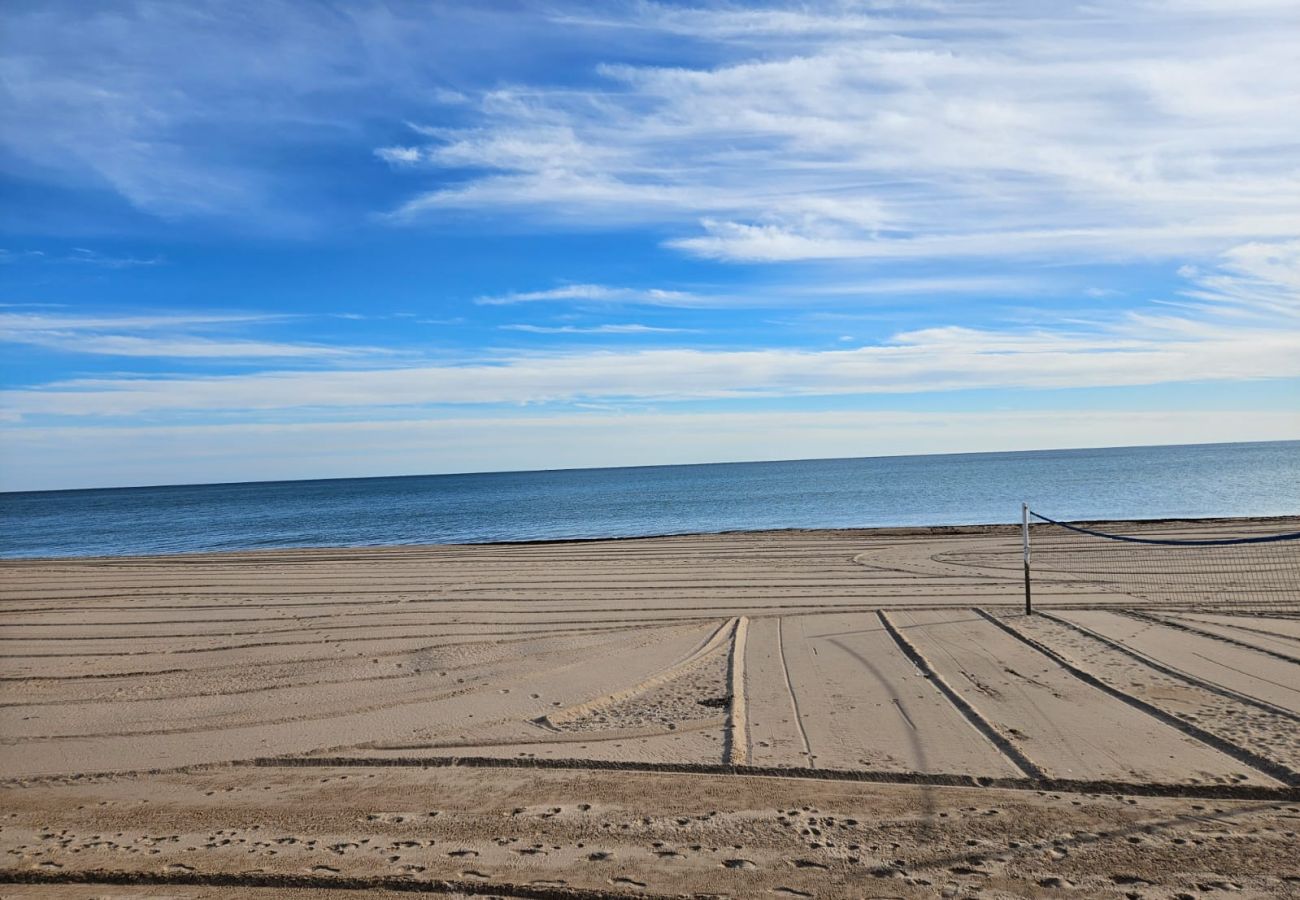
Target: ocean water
1128,483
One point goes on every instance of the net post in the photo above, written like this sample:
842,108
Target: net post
1024,534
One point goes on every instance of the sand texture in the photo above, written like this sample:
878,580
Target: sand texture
783,714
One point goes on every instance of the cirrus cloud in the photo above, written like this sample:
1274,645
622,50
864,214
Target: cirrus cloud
1106,131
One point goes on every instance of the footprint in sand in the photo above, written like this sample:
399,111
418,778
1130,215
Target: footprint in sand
462,853
325,870
739,864
628,881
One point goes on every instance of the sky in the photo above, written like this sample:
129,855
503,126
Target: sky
287,239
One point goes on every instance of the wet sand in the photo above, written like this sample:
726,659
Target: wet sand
835,713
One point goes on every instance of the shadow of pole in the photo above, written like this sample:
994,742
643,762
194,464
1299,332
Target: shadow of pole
929,815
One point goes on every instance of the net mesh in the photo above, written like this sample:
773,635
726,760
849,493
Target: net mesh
1190,565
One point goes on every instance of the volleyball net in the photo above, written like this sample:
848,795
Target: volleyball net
1187,564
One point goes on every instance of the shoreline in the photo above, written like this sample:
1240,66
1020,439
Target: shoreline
988,528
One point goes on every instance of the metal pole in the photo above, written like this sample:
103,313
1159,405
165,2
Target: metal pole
1024,533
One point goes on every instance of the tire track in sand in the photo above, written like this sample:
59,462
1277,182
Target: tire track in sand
1172,672
794,698
1183,626
736,750
972,715
1272,769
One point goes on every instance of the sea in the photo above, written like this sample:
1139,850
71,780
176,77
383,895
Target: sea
1204,480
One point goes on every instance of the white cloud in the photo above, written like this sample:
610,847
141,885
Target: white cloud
1255,278
174,347
1240,321
598,293
13,323
79,255
1105,131
736,23
448,97
1138,352
88,257
157,336
192,109
736,242
400,156
612,328
15,256
774,294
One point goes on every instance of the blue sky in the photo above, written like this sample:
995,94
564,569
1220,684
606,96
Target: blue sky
264,240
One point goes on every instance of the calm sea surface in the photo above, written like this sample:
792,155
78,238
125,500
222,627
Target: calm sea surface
1131,483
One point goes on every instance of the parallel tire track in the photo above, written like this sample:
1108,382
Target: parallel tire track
736,750
1157,620
1271,768
789,686
1185,677
971,714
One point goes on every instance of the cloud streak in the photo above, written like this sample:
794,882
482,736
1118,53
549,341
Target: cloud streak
167,336
610,328
772,294
597,293
935,359
1107,131
1239,322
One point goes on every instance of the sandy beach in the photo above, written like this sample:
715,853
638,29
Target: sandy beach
785,714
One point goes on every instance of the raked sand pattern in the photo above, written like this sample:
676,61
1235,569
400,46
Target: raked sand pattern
784,714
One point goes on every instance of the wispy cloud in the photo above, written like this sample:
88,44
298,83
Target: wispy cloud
15,256
174,107
1256,279
596,293
87,257
613,328
820,291
20,322
157,336
1136,352
80,256
1239,323
174,347
1105,131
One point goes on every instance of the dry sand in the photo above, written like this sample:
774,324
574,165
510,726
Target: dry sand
784,714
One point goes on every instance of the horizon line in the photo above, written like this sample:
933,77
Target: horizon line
737,462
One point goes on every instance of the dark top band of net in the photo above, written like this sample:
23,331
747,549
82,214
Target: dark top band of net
1225,542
